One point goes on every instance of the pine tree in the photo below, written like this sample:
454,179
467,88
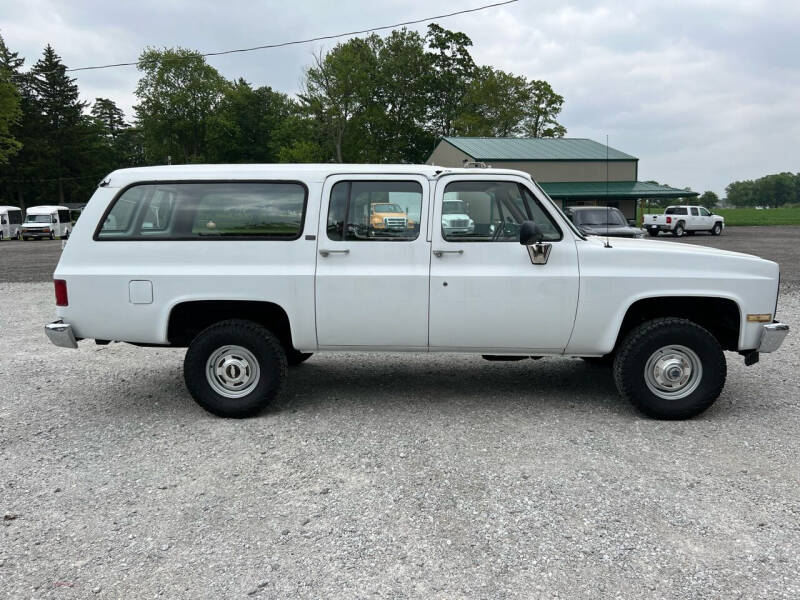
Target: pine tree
63,156
10,111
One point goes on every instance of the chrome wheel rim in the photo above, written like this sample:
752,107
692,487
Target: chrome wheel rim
232,371
673,372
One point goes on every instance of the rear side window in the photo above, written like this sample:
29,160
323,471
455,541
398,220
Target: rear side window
15,217
63,216
387,211
676,210
206,210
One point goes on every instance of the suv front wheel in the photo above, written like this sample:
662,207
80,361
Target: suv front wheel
235,368
670,368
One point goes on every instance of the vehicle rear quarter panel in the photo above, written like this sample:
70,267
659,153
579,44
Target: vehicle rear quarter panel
98,274
612,279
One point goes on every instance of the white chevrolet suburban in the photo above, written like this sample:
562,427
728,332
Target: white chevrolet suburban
255,267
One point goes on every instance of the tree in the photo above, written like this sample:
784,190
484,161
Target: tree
178,93
450,77
63,137
708,199
339,89
10,110
541,110
494,104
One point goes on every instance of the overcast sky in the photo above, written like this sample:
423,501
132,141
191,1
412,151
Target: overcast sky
702,91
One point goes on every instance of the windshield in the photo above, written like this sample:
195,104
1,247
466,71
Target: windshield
599,216
454,207
37,219
386,208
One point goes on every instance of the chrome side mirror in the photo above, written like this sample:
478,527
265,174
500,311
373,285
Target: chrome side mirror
531,237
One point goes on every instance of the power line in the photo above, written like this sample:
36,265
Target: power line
309,40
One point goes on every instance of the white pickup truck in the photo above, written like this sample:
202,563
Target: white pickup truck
255,267
680,220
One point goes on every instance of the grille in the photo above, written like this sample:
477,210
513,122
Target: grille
459,223
395,222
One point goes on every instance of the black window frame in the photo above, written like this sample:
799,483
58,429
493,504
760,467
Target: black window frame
523,191
226,238
350,183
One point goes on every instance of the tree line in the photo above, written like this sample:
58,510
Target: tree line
776,190
369,100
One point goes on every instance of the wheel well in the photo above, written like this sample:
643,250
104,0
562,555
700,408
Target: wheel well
720,316
187,319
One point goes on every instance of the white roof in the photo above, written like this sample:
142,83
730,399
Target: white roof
44,209
305,172
5,208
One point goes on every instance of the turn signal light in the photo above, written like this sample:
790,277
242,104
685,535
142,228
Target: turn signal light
762,318
61,292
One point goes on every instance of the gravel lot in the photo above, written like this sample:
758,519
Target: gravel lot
388,476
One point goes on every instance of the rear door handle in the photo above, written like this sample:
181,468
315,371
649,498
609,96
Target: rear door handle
323,252
439,253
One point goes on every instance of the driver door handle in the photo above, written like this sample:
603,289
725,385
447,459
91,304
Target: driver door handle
439,253
324,252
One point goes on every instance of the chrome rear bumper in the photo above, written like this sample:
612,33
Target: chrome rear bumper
772,336
60,334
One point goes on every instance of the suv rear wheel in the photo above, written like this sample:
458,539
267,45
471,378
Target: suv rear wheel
235,368
670,368
679,230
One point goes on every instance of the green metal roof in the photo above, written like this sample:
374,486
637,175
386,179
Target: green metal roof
491,148
616,189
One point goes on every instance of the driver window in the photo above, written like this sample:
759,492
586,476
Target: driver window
490,211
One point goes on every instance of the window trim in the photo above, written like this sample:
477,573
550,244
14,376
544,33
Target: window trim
350,181
227,238
522,189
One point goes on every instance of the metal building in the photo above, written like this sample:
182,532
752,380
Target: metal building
573,171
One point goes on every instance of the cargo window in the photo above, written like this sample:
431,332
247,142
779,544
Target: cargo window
379,211
207,210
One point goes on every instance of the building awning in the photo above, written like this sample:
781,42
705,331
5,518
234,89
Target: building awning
613,189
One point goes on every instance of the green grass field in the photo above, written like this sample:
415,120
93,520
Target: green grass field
751,216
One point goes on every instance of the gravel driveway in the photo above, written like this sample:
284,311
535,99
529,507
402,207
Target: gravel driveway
387,476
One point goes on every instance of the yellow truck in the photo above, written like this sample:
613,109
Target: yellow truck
387,218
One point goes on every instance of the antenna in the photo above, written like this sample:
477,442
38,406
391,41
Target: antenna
608,208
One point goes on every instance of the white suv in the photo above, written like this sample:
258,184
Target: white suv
255,267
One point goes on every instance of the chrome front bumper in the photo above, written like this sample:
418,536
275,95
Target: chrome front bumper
61,334
772,336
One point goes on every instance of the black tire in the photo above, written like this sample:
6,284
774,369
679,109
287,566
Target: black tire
295,357
653,232
1,236
644,342
18,237
52,235
605,362
717,229
65,236
679,229
263,346
24,238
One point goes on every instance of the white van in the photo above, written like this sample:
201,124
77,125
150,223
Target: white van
46,222
10,222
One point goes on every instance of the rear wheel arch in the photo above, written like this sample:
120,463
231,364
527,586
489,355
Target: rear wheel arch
188,318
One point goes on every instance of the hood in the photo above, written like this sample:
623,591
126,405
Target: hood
613,230
667,249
